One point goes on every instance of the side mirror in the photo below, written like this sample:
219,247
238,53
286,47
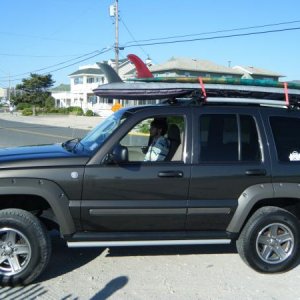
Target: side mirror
120,154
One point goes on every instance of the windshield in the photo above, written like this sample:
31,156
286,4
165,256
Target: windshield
101,132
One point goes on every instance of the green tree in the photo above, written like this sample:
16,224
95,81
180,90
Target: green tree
49,102
34,90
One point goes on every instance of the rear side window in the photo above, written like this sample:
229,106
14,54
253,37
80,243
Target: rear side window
228,138
286,137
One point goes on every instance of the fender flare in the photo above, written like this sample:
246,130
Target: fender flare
252,195
46,189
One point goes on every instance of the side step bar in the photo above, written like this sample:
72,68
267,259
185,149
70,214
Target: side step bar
146,243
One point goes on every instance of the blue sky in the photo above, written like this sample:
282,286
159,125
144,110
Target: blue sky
39,34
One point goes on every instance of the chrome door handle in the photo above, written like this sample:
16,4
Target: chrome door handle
170,174
256,172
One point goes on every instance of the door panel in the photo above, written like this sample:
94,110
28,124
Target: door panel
214,192
134,197
230,159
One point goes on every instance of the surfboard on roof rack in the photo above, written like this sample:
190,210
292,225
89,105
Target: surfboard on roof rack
226,81
213,90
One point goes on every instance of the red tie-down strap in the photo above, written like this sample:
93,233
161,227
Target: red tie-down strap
286,93
202,88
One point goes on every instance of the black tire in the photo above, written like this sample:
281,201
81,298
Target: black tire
269,242
25,247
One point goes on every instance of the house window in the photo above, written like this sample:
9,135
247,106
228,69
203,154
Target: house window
106,101
268,78
92,99
78,80
90,80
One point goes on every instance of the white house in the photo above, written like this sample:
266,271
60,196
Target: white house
257,73
3,93
83,82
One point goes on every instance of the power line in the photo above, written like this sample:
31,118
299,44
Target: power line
96,52
211,38
126,27
64,67
217,31
100,52
138,44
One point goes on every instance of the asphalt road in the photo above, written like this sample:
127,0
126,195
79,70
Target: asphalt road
186,272
21,134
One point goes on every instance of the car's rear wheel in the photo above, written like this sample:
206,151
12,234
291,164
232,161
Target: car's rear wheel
269,242
25,247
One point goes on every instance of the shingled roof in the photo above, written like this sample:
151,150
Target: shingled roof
194,65
61,88
87,71
257,71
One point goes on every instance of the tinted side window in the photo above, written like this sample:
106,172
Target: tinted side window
219,138
250,150
228,138
286,136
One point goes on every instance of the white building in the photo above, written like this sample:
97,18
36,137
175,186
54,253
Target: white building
3,93
83,82
258,73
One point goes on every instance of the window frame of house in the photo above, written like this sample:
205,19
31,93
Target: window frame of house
78,80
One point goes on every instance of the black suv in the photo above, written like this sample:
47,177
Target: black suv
233,175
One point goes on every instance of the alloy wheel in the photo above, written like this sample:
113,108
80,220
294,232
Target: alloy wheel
15,251
275,243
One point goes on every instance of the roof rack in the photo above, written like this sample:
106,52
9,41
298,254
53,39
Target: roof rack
265,98
268,102
197,97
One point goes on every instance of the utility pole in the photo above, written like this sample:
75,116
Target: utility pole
114,13
117,36
9,88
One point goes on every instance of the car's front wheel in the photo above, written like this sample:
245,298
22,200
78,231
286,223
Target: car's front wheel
25,247
269,242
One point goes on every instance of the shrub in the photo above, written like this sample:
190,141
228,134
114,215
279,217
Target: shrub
21,106
49,102
63,110
75,110
52,110
89,113
27,112
78,111
144,127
